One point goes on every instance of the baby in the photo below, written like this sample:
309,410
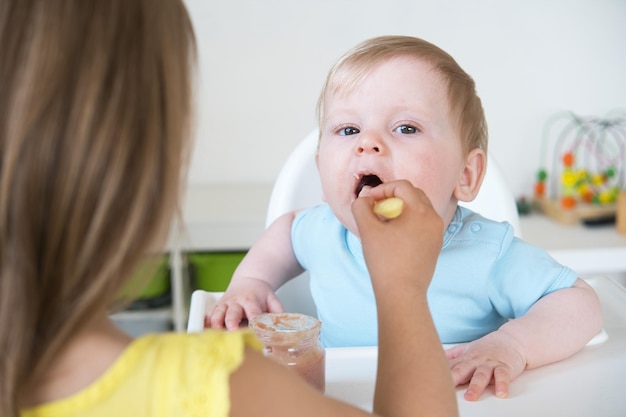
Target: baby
399,108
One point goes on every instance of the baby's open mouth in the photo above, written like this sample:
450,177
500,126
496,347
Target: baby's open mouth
369,180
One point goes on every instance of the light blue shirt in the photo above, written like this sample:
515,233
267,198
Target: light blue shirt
484,277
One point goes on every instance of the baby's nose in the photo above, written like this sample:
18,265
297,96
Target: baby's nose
369,142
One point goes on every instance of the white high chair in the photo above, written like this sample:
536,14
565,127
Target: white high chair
298,186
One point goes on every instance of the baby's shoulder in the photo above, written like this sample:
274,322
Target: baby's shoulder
468,224
317,219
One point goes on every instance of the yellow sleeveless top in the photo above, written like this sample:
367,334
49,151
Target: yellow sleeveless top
169,374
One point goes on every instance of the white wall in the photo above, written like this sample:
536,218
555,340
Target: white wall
262,64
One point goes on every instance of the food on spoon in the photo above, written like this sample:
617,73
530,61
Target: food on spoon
389,208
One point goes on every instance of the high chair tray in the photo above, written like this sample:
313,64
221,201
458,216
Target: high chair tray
588,384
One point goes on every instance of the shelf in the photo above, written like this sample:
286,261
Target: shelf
164,313
587,250
224,217
138,322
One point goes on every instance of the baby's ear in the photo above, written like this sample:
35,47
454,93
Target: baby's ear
472,175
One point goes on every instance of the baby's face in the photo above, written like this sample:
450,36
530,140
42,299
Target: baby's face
394,125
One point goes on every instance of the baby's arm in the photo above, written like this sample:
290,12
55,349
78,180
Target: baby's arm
555,327
267,265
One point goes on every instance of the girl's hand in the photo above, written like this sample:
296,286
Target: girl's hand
403,247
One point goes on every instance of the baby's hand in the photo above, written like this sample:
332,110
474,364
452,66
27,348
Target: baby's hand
245,300
493,359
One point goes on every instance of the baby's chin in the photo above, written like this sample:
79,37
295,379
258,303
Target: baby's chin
353,230
350,224
347,220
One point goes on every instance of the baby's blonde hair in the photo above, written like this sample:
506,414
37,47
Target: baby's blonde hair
465,106
95,109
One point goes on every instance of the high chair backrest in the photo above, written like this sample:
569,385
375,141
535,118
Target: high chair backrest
298,186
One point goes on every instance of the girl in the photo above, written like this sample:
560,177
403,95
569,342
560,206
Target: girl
94,121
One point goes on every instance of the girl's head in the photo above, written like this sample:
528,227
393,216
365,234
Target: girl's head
95,101
465,106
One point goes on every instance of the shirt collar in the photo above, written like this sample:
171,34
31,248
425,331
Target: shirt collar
453,227
353,243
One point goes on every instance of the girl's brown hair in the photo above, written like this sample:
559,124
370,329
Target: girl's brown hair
465,105
95,101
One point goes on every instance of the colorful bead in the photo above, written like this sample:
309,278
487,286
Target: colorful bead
540,189
568,178
568,159
542,175
568,202
610,172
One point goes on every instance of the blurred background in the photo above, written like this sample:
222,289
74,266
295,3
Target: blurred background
262,64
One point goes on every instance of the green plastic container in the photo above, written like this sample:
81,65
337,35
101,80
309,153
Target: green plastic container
212,271
156,286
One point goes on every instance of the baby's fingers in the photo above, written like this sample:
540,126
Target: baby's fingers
225,315
502,377
456,351
481,378
461,373
234,315
273,304
215,318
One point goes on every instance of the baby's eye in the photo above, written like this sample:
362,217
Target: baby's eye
406,129
346,131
